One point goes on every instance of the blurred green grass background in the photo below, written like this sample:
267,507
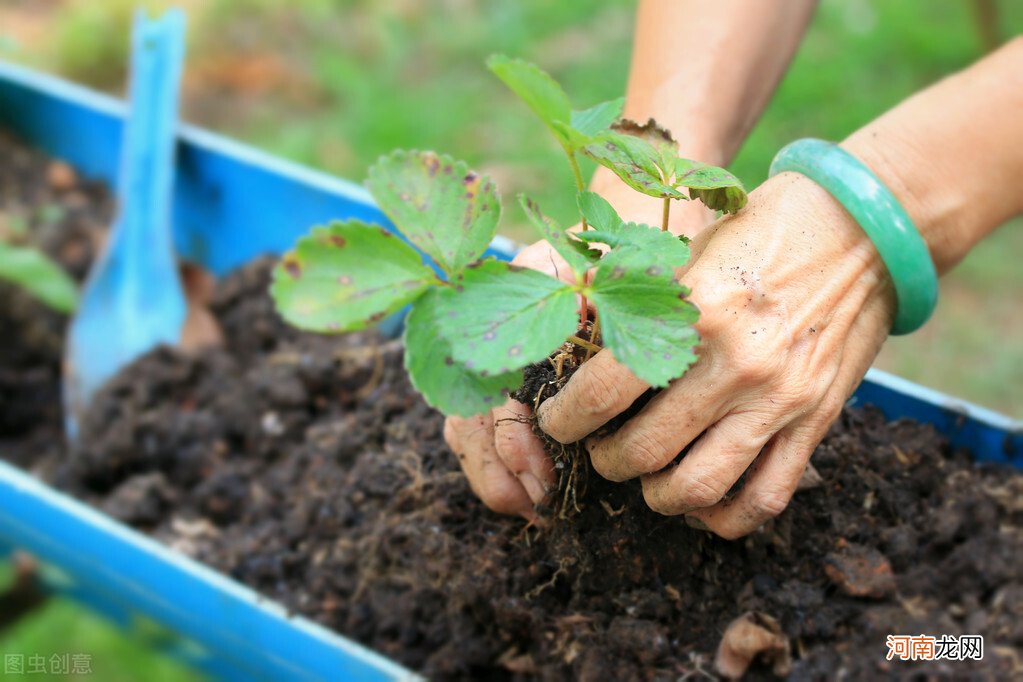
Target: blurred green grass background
334,84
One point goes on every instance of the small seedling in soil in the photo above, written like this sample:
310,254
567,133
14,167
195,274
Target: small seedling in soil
32,270
476,323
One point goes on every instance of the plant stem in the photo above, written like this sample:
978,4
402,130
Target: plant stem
664,214
594,333
578,174
583,343
579,184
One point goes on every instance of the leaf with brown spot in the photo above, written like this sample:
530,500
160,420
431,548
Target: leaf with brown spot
646,321
657,137
439,204
635,246
507,319
715,187
346,276
635,161
446,384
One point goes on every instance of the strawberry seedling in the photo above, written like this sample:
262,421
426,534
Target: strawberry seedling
475,323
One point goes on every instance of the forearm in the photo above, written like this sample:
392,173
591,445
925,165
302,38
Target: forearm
952,154
705,71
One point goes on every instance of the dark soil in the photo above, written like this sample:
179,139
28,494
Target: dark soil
42,203
307,467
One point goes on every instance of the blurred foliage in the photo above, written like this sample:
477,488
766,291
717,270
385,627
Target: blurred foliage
60,627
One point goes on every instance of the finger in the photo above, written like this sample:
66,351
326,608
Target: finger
712,467
775,476
521,451
769,488
663,428
488,477
599,390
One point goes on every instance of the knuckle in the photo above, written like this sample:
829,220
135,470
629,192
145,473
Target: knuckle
799,393
701,490
644,453
755,364
770,502
712,321
604,398
660,501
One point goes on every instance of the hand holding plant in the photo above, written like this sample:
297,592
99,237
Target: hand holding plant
475,324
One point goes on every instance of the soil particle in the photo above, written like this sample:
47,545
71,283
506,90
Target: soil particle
860,571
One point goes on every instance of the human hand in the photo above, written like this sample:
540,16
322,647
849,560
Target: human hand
795,304
503,459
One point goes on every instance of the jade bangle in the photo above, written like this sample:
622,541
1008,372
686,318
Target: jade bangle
880,215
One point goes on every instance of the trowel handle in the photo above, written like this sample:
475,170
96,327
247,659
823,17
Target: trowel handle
144,193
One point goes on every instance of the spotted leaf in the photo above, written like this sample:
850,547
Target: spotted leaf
646,321
501,317
635,161
443,207
446,384
642,248
715,187
347,276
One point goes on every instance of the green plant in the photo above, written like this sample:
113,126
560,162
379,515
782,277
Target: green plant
475,324
32,270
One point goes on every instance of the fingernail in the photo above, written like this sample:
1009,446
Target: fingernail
533,487
696,523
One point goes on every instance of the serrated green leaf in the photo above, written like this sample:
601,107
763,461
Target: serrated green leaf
641,248
715,187
33,271
646,322
659,138
445,384
578,256
635,161
501,317
346,276
597,118
438,203
537,89
597,211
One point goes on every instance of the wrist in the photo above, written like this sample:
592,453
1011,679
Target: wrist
932,206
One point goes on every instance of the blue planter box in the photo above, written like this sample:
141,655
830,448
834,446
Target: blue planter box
233,203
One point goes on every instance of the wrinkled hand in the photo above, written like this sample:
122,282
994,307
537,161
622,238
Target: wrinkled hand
504,461
795,304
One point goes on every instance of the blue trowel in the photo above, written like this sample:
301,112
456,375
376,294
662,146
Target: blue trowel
133,298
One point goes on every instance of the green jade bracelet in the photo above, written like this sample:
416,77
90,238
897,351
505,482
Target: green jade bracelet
880,215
